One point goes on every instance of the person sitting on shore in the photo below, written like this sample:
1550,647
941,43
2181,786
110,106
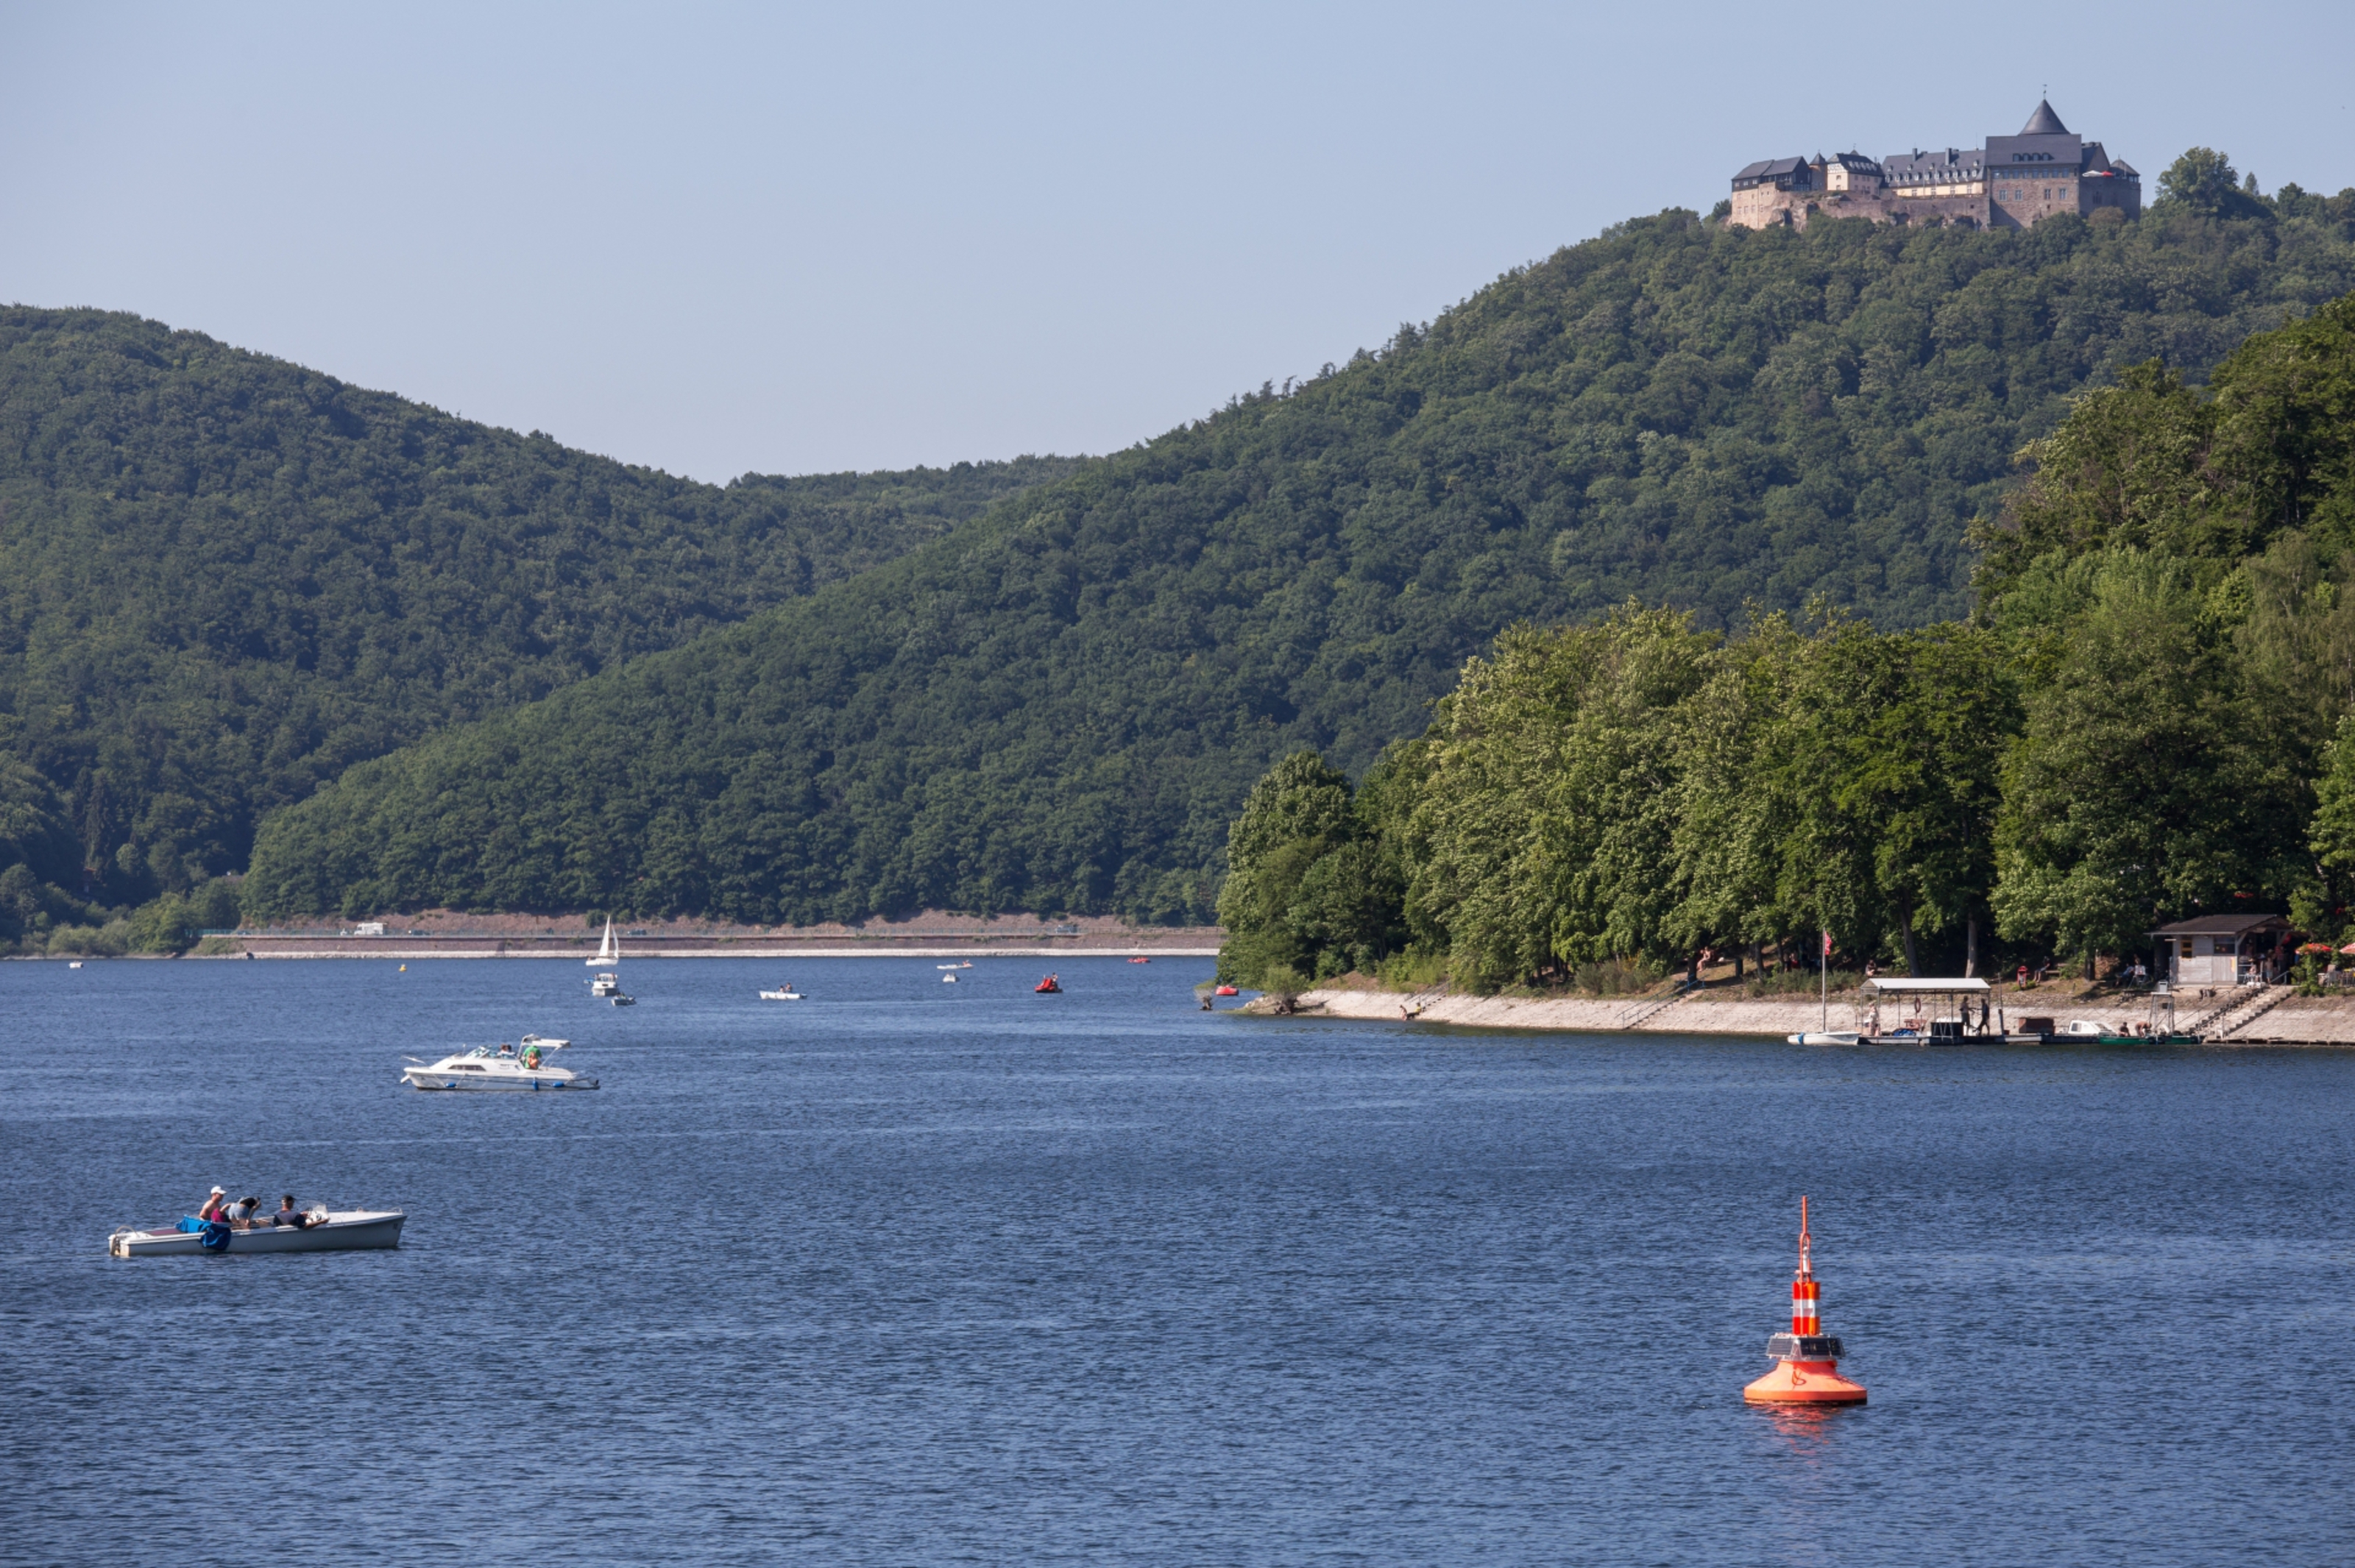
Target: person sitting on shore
288,1214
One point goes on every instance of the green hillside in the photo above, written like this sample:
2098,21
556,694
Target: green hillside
2152,717
224,579
1061,707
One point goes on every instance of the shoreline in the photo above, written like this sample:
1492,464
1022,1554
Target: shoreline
2252,1017
365,948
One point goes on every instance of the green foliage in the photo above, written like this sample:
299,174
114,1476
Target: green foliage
1062,706
2202,180
2134,731
2148,464
1541,835
2151,777
1309,885
225,579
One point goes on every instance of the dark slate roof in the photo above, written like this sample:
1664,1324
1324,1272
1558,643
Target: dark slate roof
2220,926
1954,163
2060,150
2043,122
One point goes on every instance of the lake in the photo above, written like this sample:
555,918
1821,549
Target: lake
909,1273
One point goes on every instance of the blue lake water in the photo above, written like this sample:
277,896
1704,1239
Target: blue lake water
909,1273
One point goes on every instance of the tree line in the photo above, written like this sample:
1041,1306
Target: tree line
1059,707
251,618
2150,714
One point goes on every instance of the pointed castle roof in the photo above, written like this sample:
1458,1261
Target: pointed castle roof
2043,122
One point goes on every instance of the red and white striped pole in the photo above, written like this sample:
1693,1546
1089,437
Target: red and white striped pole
1807,1296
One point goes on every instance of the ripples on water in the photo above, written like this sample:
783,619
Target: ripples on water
914,1273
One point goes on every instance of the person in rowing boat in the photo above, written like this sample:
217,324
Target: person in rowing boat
215,1207
241,1212
288,1214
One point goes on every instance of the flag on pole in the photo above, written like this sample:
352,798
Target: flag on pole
1827,944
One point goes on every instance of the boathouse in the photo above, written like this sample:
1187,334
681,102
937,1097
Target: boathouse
2220,949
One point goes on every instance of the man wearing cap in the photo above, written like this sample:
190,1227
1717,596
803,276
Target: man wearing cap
215,1207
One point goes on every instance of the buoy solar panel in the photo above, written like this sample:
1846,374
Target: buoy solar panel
1806,1359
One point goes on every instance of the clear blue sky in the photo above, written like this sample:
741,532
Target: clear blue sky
792,240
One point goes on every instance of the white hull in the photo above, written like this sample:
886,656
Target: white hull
1824,1037
506,1069
781,996
519,1081
345,1230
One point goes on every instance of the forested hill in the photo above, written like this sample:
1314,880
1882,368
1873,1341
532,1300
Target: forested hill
1062,706
224,579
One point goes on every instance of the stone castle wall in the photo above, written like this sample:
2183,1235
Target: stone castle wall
1887,205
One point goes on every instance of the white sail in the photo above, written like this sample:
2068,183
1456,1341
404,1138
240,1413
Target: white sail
611,952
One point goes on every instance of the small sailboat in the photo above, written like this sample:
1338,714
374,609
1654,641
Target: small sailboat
783,992
1049,987
607,985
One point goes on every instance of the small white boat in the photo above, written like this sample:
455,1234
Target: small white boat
331,1231
74,965
966,964
1825,1037
948,979
490,1066
785,993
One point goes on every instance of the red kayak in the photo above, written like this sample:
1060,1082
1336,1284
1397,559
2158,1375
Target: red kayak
1226,991
1140,961
1047,987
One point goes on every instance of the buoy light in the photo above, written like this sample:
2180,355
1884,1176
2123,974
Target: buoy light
1806,1368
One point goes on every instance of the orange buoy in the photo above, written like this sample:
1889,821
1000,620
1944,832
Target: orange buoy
1807,1370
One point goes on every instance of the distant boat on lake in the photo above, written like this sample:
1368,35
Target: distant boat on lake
608,983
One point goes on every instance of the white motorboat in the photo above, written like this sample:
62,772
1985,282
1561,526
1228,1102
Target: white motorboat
330,1231
966,964
488,1067
948,979
1824,1037
785,993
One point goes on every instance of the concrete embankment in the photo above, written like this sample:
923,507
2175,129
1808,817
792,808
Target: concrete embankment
2268,1016
444,934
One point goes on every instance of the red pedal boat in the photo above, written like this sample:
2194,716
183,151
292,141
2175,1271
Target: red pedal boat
1047,987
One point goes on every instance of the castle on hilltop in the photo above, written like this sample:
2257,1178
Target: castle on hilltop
2011,183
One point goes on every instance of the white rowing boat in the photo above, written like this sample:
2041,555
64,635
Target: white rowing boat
343,1230
781,993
